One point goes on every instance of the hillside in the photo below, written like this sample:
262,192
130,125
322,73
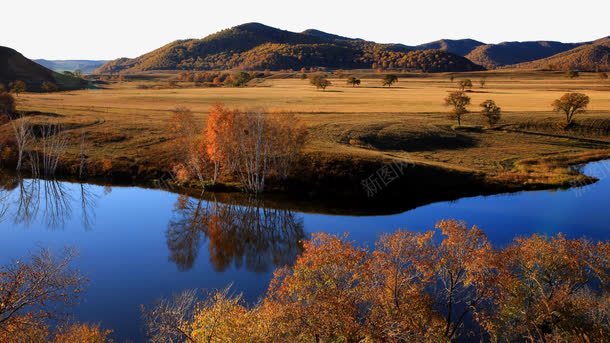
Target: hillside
460,47
497,55
85,66
14,66
589,57
256,46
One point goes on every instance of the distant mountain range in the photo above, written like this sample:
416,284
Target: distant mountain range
594,56
256,46
14,66
85,66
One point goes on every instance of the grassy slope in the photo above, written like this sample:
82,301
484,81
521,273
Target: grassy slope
360,125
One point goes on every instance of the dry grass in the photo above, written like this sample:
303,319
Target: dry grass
408,121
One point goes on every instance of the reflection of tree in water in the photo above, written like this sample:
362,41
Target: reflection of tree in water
50,200
4,194
248,234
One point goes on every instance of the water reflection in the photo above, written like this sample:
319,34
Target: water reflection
48,201
247,234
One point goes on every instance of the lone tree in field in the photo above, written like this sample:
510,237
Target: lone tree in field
49,87
463,84
603,76
389,80
482,82
18,87
320,82
459,101
571,104
491,112
573,74
353,81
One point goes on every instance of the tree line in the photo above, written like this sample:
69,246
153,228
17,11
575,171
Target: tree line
444,285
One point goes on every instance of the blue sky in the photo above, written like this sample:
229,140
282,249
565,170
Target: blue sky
71,29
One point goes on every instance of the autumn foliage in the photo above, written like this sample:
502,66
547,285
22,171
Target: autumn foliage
247,145
443,285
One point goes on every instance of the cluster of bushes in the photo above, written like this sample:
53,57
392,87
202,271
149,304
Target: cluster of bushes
414,287
238,79
430,61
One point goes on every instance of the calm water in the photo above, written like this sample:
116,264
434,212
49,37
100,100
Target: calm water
137,245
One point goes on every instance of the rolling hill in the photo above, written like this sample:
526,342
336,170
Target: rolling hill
85,66
14,66
507,53
256,46
460,47
589,57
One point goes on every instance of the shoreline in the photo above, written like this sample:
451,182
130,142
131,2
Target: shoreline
341,194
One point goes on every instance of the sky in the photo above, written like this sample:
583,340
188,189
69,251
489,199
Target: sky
77,29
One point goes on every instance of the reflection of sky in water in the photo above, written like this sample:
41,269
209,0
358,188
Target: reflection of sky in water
125,252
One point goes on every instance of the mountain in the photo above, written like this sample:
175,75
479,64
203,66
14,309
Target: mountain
497,55
594,56
255,46
325,35
85,66
460,47
14,66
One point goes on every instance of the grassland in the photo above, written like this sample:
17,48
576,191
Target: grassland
128,125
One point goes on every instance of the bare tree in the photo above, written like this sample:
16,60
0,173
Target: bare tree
54,144
82,156
23,137
36,285
167,320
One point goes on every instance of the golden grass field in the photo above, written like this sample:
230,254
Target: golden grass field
408,121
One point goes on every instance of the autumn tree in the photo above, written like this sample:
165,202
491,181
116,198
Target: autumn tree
459,101
238,80
397,276
49,87
222,317
319,299
18,87
320,82
463,84
463,269
491,112
551,289
353,81
29,288
573,74
389,80
190,159
571,104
